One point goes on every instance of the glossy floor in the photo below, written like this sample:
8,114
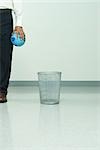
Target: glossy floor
74,124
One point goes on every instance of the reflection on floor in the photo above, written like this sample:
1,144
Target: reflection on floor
74,124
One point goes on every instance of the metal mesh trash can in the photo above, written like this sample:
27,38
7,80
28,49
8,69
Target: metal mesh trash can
49,87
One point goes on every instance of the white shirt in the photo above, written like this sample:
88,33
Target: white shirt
16,6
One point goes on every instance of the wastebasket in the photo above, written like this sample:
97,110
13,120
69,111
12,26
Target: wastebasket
49,87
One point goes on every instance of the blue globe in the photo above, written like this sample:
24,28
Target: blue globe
17,41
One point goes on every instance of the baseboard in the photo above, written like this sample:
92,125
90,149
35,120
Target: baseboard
63,83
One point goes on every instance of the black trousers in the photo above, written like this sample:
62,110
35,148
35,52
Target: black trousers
6,48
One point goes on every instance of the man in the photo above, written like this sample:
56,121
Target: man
6,47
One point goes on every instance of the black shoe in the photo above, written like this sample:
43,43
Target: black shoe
3,98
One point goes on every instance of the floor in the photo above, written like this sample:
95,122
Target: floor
73,124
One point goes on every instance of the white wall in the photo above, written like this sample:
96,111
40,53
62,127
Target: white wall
61,36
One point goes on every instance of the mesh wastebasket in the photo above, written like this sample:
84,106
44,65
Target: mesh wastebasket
49,87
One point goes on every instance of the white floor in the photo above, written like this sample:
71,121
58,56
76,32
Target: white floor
74,124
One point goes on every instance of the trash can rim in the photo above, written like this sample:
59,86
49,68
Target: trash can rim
49,72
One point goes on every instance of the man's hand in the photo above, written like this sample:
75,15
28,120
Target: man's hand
19,30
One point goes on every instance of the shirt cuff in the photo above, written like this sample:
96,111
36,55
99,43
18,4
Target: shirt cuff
18,21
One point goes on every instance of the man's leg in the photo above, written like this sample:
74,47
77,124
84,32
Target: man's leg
6,48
